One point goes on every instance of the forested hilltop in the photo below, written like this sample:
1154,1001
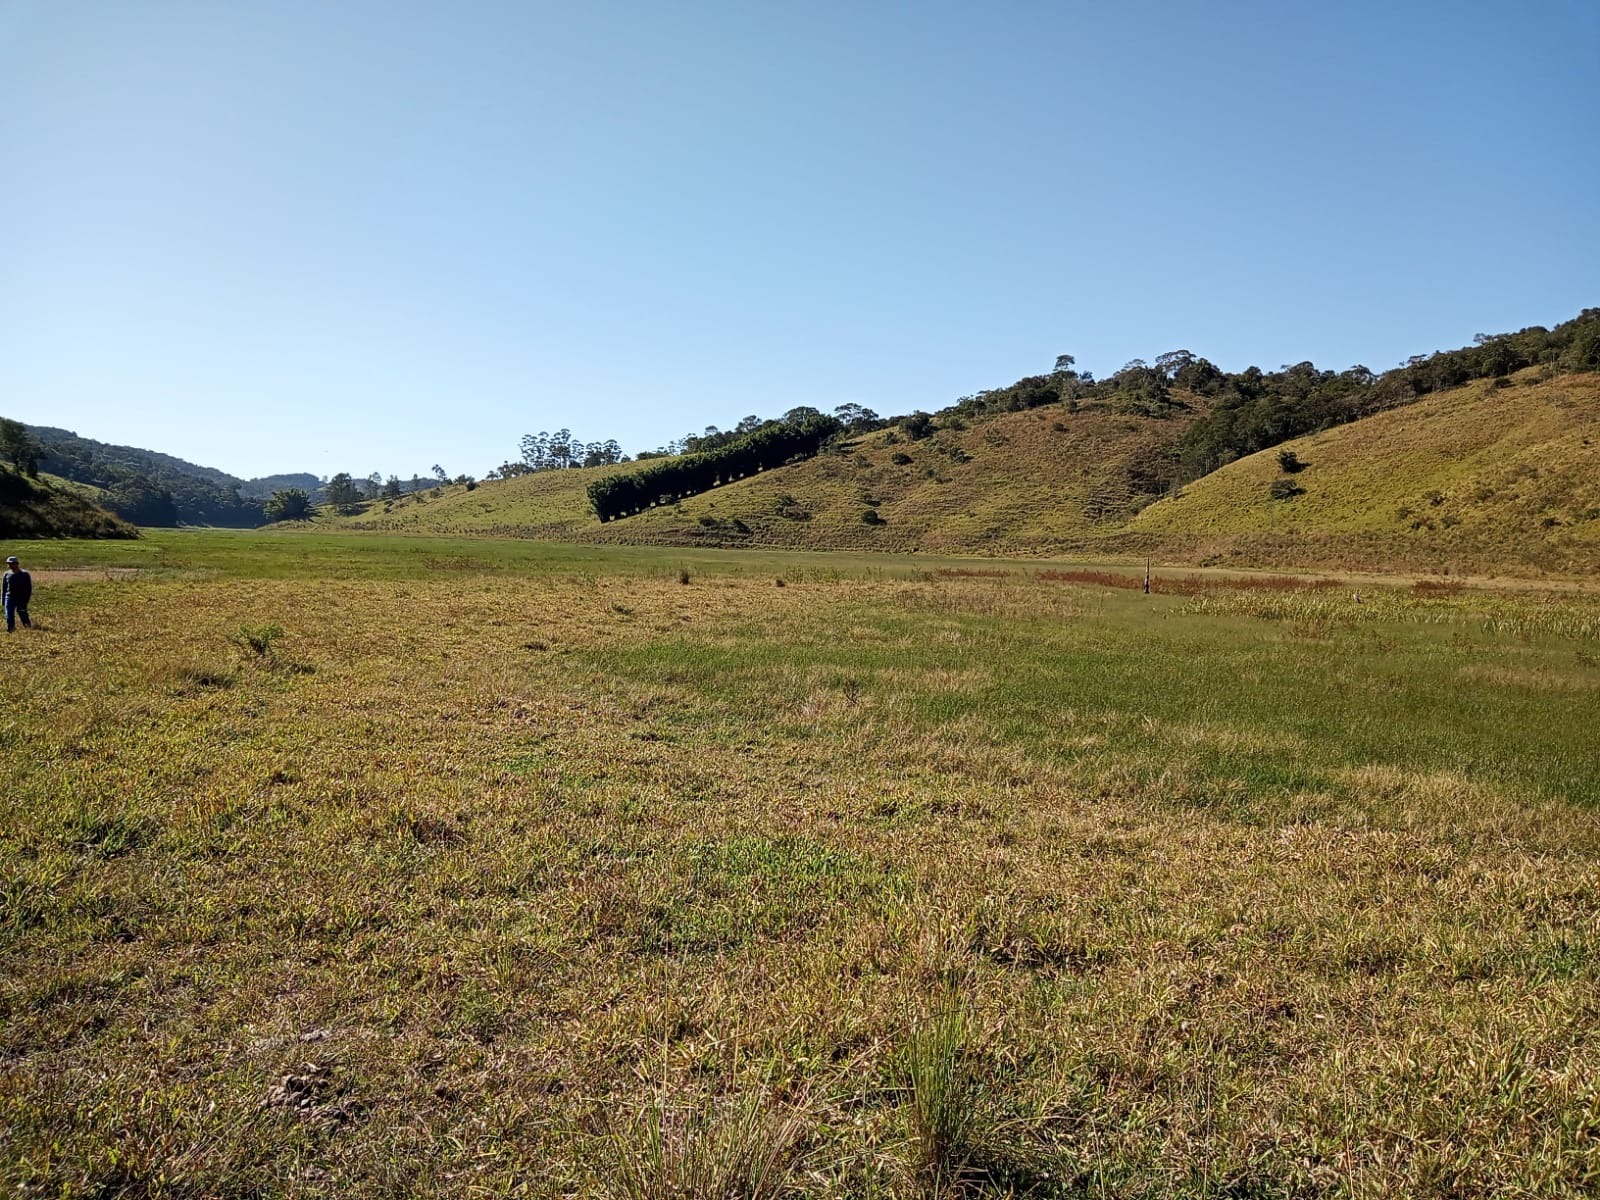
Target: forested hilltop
1252,410
147,487
144,486
1231,414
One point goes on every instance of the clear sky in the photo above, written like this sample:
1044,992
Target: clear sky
368,235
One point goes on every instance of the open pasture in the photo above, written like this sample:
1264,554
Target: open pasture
362,866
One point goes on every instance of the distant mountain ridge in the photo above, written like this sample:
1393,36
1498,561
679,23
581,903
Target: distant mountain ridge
261,488
148,487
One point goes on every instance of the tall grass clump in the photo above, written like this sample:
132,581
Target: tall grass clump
706,1149
945,1105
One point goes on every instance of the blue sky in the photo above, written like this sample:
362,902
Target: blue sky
378,235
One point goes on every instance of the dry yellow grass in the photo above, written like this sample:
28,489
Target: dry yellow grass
467,868
1034,482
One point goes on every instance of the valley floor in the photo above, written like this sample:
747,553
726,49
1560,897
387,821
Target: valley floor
364,866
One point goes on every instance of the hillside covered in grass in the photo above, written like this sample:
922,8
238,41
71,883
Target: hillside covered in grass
1491,476
49,507
1025,482
1496,475
1474,459
1033,482
545,504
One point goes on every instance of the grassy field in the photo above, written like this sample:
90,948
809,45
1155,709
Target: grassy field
369,866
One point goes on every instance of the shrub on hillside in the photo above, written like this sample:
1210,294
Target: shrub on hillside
290,504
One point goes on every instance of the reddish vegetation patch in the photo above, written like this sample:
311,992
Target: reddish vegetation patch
973,573
1169,585
1191,585
1098,578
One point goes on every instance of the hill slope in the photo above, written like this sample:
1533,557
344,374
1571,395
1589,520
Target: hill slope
1037,482
1493,476
48,507
1040,481
547,504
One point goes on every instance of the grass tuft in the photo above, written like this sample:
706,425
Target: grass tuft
706,1148
102,835
945,1107
257,639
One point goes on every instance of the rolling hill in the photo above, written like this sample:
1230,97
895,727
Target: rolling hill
547,504
50,507
1043,481
1499,475
1039,482
1494,476
146,486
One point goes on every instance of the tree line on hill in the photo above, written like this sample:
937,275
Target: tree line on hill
699,460
346,494
1253,410
19,448
142,486
771,445
560,451
1248,410
852,418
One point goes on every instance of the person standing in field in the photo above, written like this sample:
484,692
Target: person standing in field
17,587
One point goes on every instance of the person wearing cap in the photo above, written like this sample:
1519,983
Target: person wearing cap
17,587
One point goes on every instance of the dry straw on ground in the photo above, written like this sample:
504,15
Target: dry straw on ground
582,881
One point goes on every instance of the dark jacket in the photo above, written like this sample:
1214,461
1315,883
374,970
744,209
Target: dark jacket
17,588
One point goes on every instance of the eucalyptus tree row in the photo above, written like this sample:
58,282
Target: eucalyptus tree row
559,450
772,445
